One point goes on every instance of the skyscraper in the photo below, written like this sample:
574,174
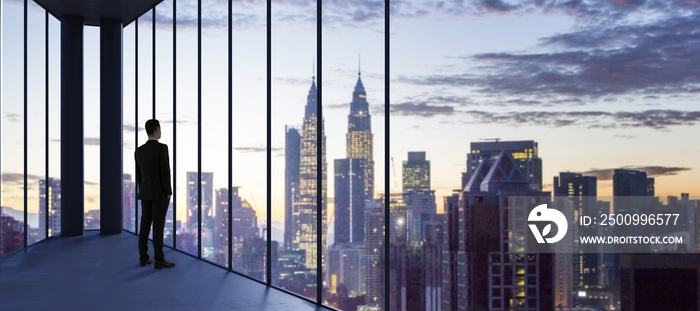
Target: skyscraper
488,276
632,183
419,198
374,241
349,201
54,193
524,152
192,199
305,224
292,151
220,232
359,143
128,199
415,173
584,270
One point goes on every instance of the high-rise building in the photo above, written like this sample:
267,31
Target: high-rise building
359,138
374,247
450,249
417,195
128,199
420,209
578,271
488,276
632,183
193,197
291,181
524,152
346,264
305,225
416,277
53,191
349,201
11,233
416,173
220,231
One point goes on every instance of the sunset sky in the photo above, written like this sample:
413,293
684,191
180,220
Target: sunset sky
599,84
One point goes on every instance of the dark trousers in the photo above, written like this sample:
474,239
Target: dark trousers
152,212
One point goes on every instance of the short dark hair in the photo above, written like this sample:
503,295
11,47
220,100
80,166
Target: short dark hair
151,126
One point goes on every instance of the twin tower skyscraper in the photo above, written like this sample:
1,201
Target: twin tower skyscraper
353,176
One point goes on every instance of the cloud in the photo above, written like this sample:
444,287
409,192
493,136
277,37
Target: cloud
12,117
652,119
420,109
255,149
91,141
17,179
652,171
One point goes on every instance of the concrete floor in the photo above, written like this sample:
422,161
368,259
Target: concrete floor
95,272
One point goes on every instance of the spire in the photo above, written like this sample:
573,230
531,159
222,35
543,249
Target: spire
359,65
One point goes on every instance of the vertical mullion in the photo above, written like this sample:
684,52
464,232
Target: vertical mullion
25,124
387,182
46,122
199,129
136,118
319,162
174,124
230,133
269,143
154,62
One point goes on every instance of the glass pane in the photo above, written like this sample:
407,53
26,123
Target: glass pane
186,140
353,101
215,135
130,128
54,183
12,195
294,130
91,126
249,170
36,123
145,86
164,93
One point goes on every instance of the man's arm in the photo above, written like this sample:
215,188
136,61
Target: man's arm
138,170
165,171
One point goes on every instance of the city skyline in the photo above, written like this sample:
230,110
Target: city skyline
422,96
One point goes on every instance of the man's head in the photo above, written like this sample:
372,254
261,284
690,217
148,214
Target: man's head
153,128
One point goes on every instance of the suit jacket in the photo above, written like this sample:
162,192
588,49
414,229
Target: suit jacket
153,171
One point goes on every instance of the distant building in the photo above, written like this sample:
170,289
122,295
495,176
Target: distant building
579,271
415,173
488,276
359,139
416,277
305,224
292,153
632,183
349,201
417,195
346,265
524,152
421,209
53,191
128,200
374,247
11,233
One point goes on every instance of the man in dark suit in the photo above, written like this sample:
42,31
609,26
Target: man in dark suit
153,179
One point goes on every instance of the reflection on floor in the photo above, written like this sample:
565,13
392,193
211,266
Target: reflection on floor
95,272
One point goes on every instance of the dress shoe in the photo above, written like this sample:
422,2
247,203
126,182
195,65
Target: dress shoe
164,264
146,262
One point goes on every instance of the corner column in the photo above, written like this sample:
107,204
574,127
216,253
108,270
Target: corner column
72,157
111,140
